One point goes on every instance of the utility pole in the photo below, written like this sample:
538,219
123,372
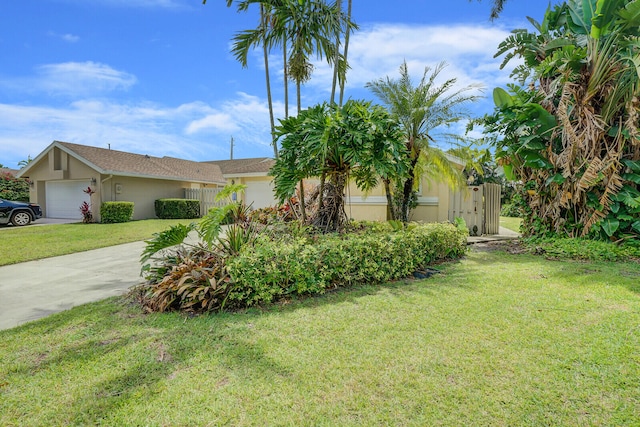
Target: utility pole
232,148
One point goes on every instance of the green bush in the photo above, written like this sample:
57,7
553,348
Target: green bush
112,212
177,208
510,210
12,188
273,269
292,261
583,249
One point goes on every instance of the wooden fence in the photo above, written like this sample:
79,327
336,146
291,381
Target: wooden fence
479,206
207,197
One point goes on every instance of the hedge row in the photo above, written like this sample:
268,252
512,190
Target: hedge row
271,270
177,208
113,212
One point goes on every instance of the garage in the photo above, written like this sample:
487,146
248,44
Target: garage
260,193
64,198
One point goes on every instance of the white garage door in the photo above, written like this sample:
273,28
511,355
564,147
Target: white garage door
260,194
65,197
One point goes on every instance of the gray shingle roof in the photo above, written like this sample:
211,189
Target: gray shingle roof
123,163
255,165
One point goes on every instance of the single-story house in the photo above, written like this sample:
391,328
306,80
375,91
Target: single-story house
433,198
62,172
254,173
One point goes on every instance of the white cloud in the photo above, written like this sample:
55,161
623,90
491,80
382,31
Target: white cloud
221,122
65,37
70,38
201,131
82,78
72,80
186,131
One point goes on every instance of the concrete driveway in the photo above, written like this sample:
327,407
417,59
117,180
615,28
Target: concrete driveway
35,289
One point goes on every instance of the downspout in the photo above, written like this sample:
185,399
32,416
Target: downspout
102,190
102,182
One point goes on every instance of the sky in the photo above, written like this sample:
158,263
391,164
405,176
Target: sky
157,77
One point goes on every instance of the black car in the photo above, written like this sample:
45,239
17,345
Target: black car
19,213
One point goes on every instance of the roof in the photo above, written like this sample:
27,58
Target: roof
253,166
9,171
114,162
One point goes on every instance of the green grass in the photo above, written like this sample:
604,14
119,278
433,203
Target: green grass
512,224
472,347
31,243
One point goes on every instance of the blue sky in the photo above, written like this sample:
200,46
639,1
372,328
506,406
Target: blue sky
156,76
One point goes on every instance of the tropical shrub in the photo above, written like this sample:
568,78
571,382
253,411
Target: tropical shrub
269,266
357,140
188,280
272,269
272,214
571,133
177,208
12,188
583,249
114,212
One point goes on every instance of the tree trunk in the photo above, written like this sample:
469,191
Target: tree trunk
407,190
391,212
263,19
286,77
302,205
336,59
323,177
338,215
346,51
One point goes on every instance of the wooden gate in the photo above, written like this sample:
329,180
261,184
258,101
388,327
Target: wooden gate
207,197
479,206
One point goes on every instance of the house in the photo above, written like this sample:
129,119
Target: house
254,173
63,170
433,198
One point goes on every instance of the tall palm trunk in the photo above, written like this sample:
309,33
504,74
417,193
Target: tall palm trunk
302,203
336,61
346,50
286,77
263,20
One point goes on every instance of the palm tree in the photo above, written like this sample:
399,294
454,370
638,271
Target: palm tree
250,38
423,111
308,26
302,28
497,7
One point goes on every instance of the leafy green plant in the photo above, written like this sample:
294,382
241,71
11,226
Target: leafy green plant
583,249
85,208
12,188
570,132
272,269
177,208
114,212
187,280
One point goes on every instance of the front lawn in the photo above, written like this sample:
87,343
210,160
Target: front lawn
21,244
471,346
511,223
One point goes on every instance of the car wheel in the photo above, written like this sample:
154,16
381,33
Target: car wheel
21,218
